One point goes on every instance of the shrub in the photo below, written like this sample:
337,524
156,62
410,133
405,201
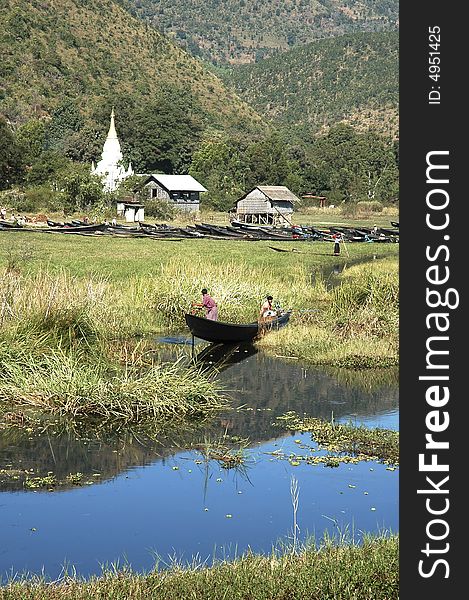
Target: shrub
160,209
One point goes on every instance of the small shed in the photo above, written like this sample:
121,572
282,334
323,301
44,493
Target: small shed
133,212
320,201
183,191
266,205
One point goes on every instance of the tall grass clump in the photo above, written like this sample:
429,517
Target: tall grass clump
334,570
366,303
69,384
238,288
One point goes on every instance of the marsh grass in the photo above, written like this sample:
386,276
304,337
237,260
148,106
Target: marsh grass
70,384
334,569
356,326
228,455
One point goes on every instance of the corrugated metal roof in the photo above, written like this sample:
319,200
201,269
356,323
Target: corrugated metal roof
179,183
278,192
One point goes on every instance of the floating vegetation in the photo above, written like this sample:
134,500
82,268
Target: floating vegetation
229,453
50,482
349,443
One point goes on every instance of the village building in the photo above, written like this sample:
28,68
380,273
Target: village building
266,205
110,167
320,201
182,191
132,212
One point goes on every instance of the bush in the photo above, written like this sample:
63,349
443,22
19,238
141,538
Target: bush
363,208
160,209
40,198
373,206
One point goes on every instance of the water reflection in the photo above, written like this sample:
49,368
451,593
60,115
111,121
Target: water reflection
166,494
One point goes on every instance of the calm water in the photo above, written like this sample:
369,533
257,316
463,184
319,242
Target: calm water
165,500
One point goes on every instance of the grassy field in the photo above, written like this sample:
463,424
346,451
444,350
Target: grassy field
130,286
71,305
72,309
330,571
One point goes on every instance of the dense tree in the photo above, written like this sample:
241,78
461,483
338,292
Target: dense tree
30,137
354,166
66,120
165,132
219,167
11,164
78,188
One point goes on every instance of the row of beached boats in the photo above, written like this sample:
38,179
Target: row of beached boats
236,230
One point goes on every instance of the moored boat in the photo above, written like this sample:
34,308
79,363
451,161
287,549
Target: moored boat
229,333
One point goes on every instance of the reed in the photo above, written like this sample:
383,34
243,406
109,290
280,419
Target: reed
82,387
356,327
331,570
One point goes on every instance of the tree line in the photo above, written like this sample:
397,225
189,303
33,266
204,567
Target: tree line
48,162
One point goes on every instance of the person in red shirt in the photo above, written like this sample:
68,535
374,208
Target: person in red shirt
211,308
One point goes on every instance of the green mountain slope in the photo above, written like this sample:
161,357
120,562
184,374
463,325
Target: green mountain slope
242,31
94,52
352,78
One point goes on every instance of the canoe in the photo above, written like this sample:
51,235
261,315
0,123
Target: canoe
230,333
77,228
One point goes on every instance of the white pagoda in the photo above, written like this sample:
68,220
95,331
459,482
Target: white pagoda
110,166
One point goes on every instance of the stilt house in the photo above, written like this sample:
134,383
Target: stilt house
266,205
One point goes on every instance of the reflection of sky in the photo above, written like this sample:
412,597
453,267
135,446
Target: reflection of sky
156,509
159,509
385,420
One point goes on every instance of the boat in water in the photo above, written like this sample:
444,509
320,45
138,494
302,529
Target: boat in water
230,333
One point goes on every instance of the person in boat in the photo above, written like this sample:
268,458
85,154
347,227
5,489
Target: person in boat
267,310
211,308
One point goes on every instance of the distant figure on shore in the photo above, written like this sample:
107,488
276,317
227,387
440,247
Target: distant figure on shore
336,238
114,222
3,213
211,308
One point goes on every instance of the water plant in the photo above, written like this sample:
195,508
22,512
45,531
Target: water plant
361,443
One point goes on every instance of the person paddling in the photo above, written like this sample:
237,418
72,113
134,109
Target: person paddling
211,308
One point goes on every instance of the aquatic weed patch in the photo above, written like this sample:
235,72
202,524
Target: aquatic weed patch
356,443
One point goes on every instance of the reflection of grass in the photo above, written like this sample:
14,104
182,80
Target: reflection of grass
228,455
360,442
331,570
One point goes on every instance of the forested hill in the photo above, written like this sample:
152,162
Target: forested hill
243,31
94,53
352,78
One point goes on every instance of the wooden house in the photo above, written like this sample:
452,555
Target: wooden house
266,205
181,190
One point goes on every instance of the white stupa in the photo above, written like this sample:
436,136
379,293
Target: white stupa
110,166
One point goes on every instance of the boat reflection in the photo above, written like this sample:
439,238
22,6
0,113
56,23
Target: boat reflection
222,356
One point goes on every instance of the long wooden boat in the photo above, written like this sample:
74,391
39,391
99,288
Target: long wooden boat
230,333
77,228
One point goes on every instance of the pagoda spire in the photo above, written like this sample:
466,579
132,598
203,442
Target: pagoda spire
112,128
110,166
